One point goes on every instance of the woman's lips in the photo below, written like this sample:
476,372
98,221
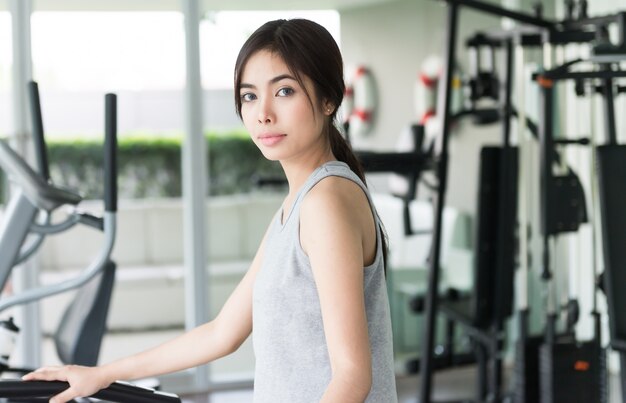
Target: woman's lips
271,139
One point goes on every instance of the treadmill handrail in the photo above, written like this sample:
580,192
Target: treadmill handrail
35,188
119,392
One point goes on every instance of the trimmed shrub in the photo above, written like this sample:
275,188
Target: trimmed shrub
151,167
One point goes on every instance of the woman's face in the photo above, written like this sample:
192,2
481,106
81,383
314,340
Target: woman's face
276,111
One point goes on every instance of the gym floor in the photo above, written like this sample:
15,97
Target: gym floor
451,385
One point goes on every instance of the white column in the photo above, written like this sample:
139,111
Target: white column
194,170
26,276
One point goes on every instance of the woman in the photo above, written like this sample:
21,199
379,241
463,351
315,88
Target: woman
315,292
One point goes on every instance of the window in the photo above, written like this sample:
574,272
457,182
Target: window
138,55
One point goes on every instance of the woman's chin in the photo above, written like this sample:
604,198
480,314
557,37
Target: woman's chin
269,155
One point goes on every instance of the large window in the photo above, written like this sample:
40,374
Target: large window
140,56
78,56
95,51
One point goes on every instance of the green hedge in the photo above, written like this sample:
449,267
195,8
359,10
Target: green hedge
151,167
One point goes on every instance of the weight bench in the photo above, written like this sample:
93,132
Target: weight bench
484,310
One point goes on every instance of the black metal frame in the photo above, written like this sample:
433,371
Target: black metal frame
541,31
119,392
610,171
441,151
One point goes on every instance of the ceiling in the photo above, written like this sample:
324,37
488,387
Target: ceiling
206,5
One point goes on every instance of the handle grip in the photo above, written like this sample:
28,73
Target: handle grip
39,141
116,392
110,153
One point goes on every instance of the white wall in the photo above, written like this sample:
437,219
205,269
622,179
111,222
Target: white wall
393,40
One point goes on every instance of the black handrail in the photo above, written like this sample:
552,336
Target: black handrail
117,392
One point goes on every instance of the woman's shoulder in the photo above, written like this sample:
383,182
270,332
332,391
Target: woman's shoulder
335,190
335,198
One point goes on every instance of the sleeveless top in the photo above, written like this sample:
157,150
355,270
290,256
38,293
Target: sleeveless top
292,361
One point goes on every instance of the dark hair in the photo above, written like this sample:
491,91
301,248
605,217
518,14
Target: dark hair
307,49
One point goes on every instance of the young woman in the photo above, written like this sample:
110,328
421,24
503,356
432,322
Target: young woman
314,297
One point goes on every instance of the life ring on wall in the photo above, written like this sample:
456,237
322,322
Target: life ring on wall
426,89
427,93
359,104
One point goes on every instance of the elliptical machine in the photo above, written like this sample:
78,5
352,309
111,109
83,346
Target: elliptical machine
80,332
85,320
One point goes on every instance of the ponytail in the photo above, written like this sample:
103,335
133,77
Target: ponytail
342,150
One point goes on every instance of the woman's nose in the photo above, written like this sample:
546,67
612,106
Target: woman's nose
266,114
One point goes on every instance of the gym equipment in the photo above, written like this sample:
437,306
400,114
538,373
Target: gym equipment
441,170
589,380
557,190
80,331
483,312
409,165
485,327
120,392
611,169
484,81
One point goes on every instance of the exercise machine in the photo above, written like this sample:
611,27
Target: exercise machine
119,392
557,190
86,318
80,331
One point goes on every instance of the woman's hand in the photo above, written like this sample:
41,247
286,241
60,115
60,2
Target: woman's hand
84,381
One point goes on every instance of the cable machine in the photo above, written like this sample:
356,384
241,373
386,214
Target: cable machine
562,197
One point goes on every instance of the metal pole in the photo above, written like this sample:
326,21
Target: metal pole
443,109
622,374
194,168
503,12
609,107
29,348
546,140
505,202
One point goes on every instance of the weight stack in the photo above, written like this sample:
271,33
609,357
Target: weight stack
526,370
571,372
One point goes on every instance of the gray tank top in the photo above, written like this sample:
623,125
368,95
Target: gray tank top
292,362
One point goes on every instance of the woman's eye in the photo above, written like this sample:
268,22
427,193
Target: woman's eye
284,92
247,97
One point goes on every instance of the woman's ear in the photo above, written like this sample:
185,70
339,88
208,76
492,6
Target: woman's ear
328,108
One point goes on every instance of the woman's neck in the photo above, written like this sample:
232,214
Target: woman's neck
298,171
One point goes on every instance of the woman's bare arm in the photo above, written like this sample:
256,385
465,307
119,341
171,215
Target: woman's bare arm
332,235
206,343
